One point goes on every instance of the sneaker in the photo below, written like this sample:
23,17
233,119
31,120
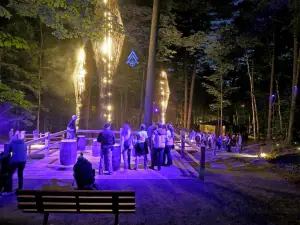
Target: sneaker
7,193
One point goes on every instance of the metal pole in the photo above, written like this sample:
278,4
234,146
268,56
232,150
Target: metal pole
202,163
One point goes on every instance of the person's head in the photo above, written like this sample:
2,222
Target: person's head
160,125
11,129
74,117
18,135
126,129
107,125
143,127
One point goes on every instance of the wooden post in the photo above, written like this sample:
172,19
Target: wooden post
202,163
47,143
182,136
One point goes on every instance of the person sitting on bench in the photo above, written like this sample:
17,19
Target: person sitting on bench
84,174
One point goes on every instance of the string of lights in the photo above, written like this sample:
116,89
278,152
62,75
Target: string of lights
107,59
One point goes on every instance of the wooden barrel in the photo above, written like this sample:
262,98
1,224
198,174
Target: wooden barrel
68,152
116,157
81,142
96,147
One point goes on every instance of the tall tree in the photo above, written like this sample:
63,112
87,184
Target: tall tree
151,72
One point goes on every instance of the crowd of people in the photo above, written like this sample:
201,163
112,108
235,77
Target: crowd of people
158,140
214,142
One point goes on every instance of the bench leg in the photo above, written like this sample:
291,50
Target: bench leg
116,219
46,216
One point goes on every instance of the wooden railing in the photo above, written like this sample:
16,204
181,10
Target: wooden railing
48,141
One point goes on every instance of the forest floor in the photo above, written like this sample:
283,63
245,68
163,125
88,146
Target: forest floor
251,193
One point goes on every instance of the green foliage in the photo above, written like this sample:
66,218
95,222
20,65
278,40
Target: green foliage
15,97
4,13
68,19
9,41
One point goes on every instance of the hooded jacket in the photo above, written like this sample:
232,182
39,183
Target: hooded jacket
18,151
159,138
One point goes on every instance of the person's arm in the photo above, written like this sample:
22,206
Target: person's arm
114,139
122,143
99,138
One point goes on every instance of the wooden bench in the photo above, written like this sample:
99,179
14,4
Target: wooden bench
114,202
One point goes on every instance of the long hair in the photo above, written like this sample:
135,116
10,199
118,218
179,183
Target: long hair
171,129
126,129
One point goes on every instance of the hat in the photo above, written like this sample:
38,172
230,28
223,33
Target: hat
107,125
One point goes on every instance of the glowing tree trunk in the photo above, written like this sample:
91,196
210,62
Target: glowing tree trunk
151,74
40,82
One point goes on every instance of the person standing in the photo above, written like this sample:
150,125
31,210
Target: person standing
150,133
159,144
126,145
107,139
228,143
71,129
239,143
18,151
141,147
11,135
169,146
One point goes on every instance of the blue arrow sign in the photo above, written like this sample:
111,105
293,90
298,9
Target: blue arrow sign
132,59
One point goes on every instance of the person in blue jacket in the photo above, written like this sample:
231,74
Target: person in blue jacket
107,139
18,151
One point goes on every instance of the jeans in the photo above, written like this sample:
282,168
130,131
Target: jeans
70,135
126,158
137,159
13,166
167,154
157,157
106,158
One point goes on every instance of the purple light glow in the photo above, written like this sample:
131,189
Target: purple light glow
156,110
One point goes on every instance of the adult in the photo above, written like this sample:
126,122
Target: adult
18,151
159,144
107,139
169,146
141,147
239,143
84,174
150,133
11,135
71,129
126,145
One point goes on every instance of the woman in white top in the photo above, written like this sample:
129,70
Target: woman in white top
169,146
141,147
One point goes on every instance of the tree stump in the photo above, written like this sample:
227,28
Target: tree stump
81,142
96,147
68,152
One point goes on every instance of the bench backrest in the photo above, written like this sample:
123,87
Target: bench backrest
76,201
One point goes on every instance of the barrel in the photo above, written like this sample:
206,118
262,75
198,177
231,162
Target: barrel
68,152
116,157
96,147
81,142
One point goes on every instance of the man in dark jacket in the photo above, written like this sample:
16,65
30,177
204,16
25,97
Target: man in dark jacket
18,151
107,139
84,174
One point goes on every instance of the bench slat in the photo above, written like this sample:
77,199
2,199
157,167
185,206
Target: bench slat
76,193
81,199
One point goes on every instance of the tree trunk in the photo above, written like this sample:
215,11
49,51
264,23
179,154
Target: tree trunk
121,108
90,67
192,95
151,74
39,79
279,106
142,95
221,105
185,92
294,93
126,104
253,101
271,96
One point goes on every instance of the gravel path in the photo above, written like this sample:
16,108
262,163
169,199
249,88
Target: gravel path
226,197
